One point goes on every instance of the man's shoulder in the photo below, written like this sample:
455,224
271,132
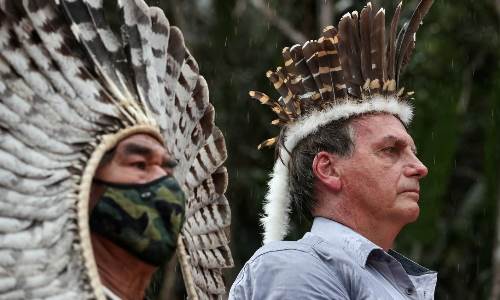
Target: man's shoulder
302,249
309,254
310,247
284,268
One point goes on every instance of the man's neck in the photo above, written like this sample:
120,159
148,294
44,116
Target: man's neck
378,234
381,234
121,272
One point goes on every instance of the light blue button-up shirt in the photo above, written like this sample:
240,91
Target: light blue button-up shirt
331,262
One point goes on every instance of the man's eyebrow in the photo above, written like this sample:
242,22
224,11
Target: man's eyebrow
391,138
395,139
137,149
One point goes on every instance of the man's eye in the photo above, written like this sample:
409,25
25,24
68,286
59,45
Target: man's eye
391,149
170,164
139,165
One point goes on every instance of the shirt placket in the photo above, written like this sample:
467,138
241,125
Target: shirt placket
403,282
395,275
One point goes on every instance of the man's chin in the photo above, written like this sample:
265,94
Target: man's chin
408,209
412,211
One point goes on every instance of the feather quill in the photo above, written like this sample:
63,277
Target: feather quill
302,69
377,45
330,44
365,24
408,38
391,44
310,52
64,50
83,17
349,58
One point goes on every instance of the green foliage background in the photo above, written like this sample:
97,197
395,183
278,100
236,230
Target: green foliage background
455,72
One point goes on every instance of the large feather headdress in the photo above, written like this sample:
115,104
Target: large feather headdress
70,88
350,70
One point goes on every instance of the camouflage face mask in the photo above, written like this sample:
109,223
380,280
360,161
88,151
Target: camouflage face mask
144,219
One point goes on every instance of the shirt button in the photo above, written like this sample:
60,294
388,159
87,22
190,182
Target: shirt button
409,291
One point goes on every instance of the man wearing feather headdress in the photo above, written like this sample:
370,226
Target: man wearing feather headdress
110,161
345,158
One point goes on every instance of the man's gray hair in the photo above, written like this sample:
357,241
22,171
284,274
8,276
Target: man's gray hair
337,137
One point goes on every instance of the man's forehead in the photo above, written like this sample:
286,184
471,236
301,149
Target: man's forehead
381,127
140,138
138,141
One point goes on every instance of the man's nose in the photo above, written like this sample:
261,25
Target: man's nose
156,172
416,168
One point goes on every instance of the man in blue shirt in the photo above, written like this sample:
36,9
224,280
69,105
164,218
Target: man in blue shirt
346,158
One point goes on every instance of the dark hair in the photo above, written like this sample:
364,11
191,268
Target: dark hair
335,137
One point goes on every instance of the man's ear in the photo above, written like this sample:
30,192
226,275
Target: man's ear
325,170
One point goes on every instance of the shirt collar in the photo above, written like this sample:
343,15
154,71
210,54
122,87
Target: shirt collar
359,248
355,245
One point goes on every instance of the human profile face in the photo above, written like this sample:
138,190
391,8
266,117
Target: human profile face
381,177
137,159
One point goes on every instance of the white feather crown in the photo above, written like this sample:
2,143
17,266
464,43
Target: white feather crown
346,72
